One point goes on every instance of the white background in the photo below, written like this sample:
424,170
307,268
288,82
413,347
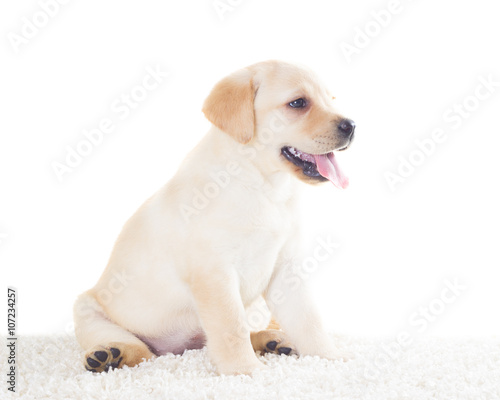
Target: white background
396,248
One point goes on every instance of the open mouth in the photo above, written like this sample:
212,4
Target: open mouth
321,167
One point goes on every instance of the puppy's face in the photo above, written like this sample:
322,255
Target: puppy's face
287,113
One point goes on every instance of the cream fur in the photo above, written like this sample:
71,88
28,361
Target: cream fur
175,272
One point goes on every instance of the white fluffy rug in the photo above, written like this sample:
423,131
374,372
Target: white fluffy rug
51,368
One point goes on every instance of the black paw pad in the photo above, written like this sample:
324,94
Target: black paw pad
116,363
93,363
101,356
115,352
284,350
272,345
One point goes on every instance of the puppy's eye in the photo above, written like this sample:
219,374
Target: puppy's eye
298,103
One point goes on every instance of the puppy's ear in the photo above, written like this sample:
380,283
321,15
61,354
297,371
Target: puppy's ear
229,106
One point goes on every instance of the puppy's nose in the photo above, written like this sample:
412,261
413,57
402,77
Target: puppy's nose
346,126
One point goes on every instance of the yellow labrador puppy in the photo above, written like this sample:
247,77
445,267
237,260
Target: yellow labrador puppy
222,232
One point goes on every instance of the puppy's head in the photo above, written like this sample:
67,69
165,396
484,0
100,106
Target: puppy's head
287,115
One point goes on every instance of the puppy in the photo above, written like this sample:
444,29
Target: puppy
222,232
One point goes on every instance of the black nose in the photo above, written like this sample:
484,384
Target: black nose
346,126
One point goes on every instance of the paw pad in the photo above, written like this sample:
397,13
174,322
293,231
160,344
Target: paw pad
284,350
272,345
103,360
278,348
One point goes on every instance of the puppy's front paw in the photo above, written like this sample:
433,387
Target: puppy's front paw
272,341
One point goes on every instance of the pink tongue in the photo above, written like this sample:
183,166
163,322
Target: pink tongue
328,167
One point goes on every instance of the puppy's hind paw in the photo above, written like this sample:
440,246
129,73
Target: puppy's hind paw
116,355
101,359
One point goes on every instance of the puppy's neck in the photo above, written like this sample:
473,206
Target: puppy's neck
254,165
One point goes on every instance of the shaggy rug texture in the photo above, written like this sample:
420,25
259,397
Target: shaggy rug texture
51,368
